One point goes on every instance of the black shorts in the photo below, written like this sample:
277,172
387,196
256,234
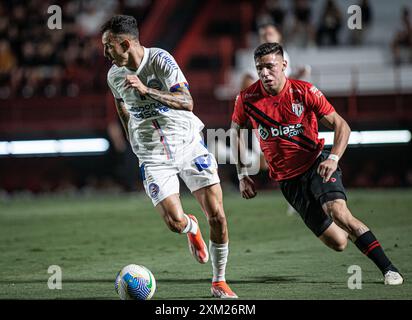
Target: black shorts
307,193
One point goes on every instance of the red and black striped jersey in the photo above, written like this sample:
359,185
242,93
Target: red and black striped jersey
287,124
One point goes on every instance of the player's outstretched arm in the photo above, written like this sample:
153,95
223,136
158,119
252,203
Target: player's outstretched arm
123,115
246,184
179,100
340,141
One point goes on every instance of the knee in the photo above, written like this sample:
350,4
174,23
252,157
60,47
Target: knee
340,245
217,219
176,224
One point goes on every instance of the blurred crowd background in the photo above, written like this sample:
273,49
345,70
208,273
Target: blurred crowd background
53,82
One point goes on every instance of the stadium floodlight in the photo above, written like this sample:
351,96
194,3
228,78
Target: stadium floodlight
32,147
83,145
372,137
54,147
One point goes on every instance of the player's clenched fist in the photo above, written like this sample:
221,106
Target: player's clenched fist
132,81
247,188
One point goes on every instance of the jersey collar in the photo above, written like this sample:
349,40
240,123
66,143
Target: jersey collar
144,60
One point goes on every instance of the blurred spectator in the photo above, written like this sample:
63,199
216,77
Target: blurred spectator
7,58
94,14
37,61
136,8
302,31
330,24
402,42
272,13
357,35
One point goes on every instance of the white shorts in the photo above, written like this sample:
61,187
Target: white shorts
196,167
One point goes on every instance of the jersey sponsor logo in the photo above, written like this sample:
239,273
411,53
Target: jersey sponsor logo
286,132
251,95
297,108
148,110
289,131
203,162
263,132
316,91
155,84
153,190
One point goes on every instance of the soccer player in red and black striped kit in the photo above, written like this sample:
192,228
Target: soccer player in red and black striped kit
285,113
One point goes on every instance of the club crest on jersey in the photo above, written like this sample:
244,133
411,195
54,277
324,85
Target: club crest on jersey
155,84
297,108
153,190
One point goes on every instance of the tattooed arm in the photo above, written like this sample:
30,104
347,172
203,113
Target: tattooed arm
123,115
180,100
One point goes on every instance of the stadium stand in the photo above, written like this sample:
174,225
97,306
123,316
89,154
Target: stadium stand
53,82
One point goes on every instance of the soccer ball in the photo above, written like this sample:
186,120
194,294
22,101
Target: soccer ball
135,282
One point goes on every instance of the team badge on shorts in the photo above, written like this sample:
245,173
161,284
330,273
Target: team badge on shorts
153,190
203,162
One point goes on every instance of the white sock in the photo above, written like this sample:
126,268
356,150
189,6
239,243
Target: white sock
191,226
218,255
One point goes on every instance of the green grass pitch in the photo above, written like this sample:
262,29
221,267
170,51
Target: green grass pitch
272,255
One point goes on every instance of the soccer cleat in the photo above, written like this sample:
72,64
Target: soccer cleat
221,290
197,245
393,278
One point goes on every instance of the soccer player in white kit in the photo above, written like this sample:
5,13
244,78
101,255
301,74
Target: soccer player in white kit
155,106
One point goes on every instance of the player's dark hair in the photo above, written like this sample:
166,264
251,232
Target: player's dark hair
121,24
268,48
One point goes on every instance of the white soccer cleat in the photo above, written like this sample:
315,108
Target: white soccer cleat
222,290
197,245
393,278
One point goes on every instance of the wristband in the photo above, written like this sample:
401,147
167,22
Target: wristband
242,174
333,157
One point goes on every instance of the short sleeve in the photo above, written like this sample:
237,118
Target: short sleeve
239,116
170,72
318,102
113,89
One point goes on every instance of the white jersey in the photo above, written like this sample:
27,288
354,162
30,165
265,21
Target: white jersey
157,133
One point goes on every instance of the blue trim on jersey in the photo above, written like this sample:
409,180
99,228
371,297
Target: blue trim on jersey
142,172
202,142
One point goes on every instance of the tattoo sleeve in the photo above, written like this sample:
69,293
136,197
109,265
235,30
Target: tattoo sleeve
180,100
123,115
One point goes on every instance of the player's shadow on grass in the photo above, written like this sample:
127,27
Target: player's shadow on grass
261,280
